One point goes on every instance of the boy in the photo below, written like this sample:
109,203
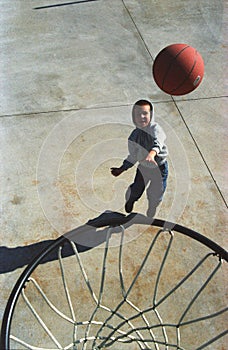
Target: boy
146,145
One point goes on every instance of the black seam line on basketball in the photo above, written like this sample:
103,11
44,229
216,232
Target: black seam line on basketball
186,76
138,31
201,154
167,71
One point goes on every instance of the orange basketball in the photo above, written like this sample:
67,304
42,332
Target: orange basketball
178,69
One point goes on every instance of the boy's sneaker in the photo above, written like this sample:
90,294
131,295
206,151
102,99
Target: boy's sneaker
129,205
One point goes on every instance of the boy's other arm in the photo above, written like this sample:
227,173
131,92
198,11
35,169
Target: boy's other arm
125,166
129,161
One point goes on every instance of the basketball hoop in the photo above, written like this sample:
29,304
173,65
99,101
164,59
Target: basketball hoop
157,298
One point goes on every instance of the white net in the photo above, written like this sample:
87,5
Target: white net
162,290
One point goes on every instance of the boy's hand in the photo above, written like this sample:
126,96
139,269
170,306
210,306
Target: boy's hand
116,171
150,157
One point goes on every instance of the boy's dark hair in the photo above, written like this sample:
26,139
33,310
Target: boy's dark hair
142,103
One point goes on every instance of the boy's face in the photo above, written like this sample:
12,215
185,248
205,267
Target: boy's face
142,116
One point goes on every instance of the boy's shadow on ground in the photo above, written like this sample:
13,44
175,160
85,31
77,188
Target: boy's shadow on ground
86,237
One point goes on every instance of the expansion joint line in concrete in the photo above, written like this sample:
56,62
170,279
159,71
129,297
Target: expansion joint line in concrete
201,154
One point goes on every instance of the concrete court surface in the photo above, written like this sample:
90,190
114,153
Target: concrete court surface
70,72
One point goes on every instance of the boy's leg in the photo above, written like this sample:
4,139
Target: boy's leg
157,188
135,190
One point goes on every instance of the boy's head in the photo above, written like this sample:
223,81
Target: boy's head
142,112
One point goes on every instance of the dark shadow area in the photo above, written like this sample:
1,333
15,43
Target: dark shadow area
63,4
14,258
86,237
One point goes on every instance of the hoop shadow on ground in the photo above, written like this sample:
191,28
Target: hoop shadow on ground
14,258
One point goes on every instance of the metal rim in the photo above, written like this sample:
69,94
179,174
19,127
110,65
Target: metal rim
133,218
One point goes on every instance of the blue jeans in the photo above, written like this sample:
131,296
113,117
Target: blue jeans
156,180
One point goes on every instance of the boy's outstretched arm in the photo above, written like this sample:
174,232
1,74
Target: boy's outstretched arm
150,157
